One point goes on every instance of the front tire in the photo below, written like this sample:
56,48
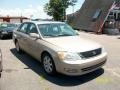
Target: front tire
48,64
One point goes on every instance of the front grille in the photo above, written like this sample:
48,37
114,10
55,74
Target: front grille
93,67
92,53
9,32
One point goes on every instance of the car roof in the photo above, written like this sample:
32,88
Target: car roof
43,22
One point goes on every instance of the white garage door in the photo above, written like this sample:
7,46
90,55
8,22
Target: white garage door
1,20
15,20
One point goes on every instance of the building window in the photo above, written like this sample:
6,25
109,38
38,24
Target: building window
96,15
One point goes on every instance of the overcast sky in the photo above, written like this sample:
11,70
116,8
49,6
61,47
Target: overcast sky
29,8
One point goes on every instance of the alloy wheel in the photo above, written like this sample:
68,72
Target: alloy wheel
48,64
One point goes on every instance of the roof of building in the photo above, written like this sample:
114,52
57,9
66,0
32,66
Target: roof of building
90,10
12,17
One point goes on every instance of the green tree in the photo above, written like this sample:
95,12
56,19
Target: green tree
57,8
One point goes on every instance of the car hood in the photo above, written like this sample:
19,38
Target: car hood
8,30
73,43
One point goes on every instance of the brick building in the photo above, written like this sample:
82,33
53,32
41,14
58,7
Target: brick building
13,19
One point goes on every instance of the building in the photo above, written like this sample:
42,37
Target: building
13,19
115,12
92,15
112,24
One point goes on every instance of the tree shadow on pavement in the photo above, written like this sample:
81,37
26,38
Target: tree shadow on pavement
58,79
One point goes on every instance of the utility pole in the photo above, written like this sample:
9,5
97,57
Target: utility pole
73,5
64,10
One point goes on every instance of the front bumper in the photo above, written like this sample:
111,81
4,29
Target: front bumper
80,67
6,34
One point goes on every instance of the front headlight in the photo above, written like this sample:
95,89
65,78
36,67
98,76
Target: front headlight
4,32
103,50
69,56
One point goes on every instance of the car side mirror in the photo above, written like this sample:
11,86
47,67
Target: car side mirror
34,35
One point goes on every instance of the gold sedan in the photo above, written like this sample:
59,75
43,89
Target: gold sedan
59,48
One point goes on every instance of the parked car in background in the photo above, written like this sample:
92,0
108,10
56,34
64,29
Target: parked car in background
59,48
0,62
6,29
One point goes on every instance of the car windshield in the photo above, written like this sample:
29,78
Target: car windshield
2,26
56,30
11,25
8,28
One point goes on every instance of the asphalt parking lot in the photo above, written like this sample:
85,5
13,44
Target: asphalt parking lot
22,72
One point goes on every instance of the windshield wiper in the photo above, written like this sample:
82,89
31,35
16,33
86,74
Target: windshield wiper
58,35
65,35
50,35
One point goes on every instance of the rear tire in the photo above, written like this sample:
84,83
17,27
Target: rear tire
1,36
18,47
48,64
1,70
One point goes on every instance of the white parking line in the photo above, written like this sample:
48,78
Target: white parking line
114,71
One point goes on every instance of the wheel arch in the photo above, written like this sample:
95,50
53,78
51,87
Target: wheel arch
15,41
45,52
48,53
